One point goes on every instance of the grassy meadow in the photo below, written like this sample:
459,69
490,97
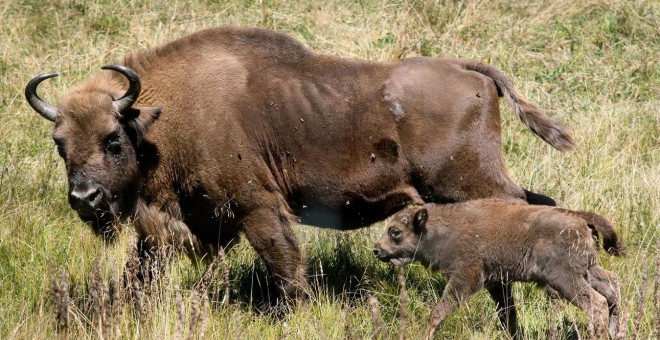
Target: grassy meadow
592,64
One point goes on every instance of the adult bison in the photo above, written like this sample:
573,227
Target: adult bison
234,130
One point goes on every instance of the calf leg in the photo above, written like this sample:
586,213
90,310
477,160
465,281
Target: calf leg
458,289
607,284
269,232
578,291
506,310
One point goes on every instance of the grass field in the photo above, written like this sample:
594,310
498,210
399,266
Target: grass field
592,64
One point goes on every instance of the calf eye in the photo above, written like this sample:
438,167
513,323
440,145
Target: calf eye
394,233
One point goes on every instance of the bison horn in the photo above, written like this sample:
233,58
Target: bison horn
44,109
133,91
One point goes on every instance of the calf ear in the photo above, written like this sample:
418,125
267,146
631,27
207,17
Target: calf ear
419,220
138,119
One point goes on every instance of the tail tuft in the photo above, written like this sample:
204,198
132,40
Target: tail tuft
604,227
546,128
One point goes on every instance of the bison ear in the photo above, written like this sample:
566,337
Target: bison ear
419,220
138,119
142,116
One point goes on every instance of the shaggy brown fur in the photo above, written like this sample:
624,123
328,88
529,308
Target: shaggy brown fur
491,243
246,130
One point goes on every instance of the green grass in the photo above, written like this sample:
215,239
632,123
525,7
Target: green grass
592,64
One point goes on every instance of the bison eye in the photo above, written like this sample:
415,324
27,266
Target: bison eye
60,148
113,144
114,147
61,151
395,233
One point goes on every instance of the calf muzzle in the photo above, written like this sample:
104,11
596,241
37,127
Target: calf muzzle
381,255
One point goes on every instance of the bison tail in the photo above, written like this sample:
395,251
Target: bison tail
604,227
548,129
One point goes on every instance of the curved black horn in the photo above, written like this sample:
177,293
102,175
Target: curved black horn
133,92
44,109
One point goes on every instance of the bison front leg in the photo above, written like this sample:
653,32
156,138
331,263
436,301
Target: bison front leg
269,231
146,264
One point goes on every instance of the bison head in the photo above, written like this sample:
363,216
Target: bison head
400,242
98,133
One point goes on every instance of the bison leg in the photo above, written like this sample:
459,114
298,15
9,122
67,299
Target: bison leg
458,289
578,291
607,284
145,265
506,310
270,233
538,199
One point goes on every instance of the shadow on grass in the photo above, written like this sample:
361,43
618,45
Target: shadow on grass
345,273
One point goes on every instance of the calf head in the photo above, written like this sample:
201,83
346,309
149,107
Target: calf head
402,236
98,132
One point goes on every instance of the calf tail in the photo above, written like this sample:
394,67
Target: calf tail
604,227
548,129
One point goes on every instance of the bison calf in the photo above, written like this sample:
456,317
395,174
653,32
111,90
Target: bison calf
491,243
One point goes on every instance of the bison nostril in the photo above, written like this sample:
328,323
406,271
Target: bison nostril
93,195
375,251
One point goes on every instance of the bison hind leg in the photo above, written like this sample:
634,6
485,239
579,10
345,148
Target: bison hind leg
539,199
